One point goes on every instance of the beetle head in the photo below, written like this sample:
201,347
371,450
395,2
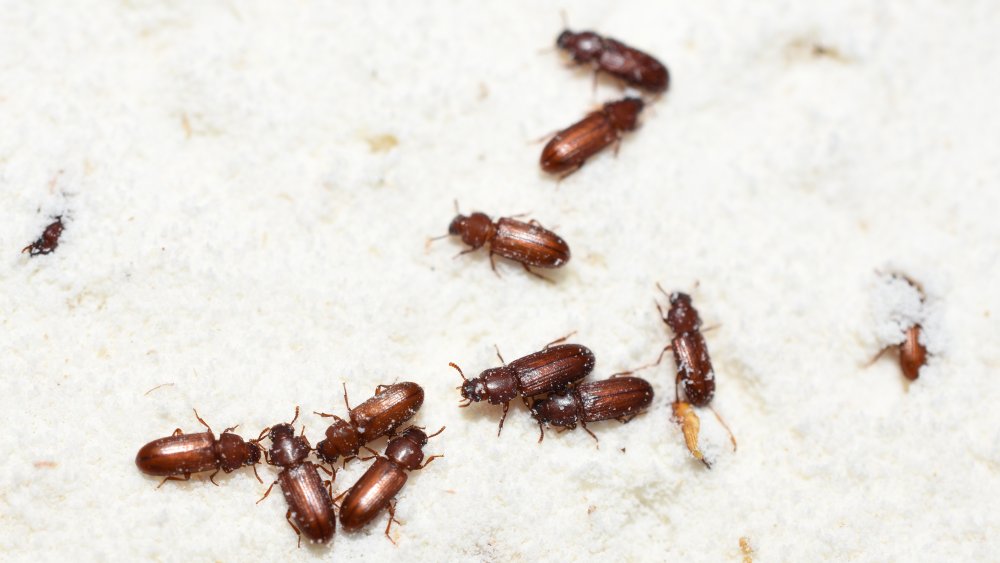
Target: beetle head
682,316
476,229
583,46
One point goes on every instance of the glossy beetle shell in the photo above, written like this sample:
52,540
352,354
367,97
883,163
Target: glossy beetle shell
309,502
617,59
378,416
552,369
694,368
912,354
371,494
570,148
529,244
177,455
593,401
387,410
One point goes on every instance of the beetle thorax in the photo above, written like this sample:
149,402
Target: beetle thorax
561,410
476,229
232,452
496,385
682,316
584,46
286,448
407,450
341,440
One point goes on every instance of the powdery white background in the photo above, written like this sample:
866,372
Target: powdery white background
237,226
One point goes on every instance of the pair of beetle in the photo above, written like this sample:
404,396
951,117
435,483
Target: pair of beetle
309,498
569,148
553,371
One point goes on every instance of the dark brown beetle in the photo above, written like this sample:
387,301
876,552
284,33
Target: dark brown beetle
620,398
528,243
568,149
48,241
376,489
379,416
552,369
308,497
615,58
695,378
184,454
912,354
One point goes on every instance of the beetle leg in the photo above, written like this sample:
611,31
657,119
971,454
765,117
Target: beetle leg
288,517
187,477
379,388
231,428
726,426
541,432
558,340
338,497
345,397
257,475
267,492
498,355
503,418
212,477
327,415
392,518
429,460
592,435
578,166
328,472
493,264
536,274
879,355
177,432
329,486
205,424
654,364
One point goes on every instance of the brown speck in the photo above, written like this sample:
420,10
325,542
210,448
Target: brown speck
746,550
803,48
45,464
186,124
591,509
484,91
382,143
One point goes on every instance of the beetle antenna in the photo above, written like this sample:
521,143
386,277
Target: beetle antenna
436,433
452,364
292,423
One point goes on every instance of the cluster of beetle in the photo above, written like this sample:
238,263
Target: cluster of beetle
549,379
311,505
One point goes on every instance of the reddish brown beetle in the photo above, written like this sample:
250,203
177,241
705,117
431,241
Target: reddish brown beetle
381,415
48,241
528,243
552,369
376,489
695,378
615,58
308,497
912,353
568,149
184,454
621,398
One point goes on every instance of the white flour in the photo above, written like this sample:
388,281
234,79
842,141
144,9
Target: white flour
247,188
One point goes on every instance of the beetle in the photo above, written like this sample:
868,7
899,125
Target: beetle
615,58
308,497
375,490
49,240
695,378
381,415
184,454
529,243
912,353
621,398
568,149
552,369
